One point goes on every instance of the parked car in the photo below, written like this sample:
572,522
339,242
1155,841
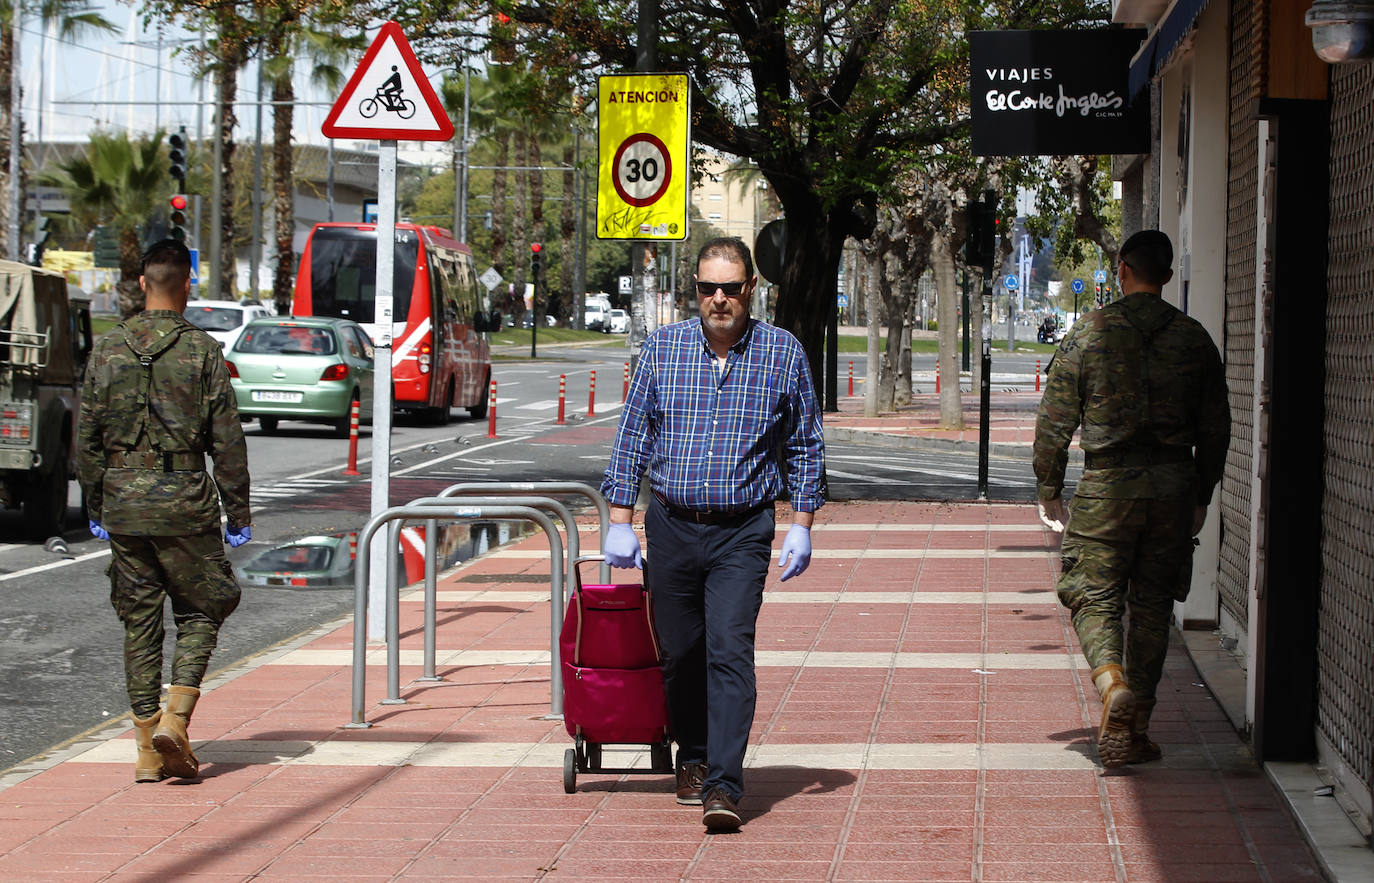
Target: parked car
528,320
312,562
619,322
224,320
302,368
597,316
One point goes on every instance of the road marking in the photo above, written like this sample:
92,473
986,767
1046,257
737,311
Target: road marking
538,406
54,565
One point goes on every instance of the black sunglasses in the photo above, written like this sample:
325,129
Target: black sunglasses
730,289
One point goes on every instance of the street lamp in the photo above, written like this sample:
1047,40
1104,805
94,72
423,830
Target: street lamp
1342,30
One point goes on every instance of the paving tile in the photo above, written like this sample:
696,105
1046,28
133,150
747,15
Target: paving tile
1077,872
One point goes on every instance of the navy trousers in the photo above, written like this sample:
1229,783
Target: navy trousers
706,581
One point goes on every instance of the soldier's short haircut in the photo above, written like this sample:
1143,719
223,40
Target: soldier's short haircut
730,248
167,263
1150,254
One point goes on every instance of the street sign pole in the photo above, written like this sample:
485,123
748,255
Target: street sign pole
379,554
985,391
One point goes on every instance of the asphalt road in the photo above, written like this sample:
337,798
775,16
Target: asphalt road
60,644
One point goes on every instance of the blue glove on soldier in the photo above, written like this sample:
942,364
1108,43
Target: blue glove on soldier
622,547
237,536
97,531
797,548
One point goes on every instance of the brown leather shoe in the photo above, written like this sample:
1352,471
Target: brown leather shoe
719,812
689,779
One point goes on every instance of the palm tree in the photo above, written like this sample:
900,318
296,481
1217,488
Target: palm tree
286,36
74,19
119,182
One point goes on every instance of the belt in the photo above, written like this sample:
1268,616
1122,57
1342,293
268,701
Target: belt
710,516
164,461
1136,457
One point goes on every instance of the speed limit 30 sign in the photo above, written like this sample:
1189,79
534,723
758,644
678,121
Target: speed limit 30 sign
643,133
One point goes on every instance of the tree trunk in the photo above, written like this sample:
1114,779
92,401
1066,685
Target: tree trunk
519,231
901,392
947,298
283,189
228,89
873,307
127,290
888,279
6,78
811,265
567,230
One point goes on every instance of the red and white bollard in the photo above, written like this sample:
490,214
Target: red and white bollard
591,396
851,379
937,377
625,387
352,545
353,441
1037,375
491,411
562,396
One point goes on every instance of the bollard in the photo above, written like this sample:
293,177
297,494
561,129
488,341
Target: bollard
491,412
562,395
937,378
1037,375
353,441
851,380
352,545
625,387
591,396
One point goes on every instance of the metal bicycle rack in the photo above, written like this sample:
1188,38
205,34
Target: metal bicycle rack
435,509
504,488
431,577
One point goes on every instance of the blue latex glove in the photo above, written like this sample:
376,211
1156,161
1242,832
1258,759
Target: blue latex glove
237,536
796,551
97,531
622,547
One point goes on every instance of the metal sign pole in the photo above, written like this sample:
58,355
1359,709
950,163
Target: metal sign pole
985,392
381,386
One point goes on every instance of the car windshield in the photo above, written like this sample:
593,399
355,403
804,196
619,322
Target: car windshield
287,340
293,558
214,318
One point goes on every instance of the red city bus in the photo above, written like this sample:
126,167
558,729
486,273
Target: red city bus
440,354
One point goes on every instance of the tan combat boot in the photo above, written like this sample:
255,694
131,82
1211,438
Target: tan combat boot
149,766
1118,712
1142,749
170,738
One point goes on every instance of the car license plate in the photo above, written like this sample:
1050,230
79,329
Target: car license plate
276,395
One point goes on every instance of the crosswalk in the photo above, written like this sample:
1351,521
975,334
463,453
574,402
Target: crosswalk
285,490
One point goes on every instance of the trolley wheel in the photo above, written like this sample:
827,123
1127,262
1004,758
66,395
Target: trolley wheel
661,757
593,756
569,771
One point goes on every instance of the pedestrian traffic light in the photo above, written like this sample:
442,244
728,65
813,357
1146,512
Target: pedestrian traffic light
177,219
176,154
980,242
41,232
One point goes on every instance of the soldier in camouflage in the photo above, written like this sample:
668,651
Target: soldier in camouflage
1145,383
156,401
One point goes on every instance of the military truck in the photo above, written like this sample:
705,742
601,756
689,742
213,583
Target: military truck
45,337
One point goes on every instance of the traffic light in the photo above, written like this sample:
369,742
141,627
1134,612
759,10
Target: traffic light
980,242
176,154
105,245
41,232
177,219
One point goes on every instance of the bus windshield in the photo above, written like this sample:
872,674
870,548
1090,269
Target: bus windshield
343,273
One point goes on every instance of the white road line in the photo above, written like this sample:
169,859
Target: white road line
54,565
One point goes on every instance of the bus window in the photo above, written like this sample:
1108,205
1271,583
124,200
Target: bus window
343,273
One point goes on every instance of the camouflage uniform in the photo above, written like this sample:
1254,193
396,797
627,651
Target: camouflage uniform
1146,384
156,400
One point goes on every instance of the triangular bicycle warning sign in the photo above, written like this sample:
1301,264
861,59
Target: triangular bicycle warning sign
389,98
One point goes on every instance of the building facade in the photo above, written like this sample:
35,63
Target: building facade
1261,172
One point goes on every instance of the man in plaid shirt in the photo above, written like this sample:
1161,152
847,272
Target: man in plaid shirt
723,415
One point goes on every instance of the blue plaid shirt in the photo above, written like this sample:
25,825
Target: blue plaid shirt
713,439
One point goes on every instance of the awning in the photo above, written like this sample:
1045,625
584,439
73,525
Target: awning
1155,54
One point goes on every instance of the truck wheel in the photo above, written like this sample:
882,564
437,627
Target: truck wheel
45,501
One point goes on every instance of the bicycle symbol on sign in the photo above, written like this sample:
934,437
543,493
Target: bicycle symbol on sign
388,96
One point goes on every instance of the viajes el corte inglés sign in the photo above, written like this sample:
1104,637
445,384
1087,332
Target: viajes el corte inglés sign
1055,93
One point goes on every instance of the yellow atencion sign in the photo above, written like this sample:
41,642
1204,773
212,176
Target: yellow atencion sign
644,129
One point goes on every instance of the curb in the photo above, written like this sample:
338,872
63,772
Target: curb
1010,450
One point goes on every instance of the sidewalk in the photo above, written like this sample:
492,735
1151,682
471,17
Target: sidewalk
1011,423
924,715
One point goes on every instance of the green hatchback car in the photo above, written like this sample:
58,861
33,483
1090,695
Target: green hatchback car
302,368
